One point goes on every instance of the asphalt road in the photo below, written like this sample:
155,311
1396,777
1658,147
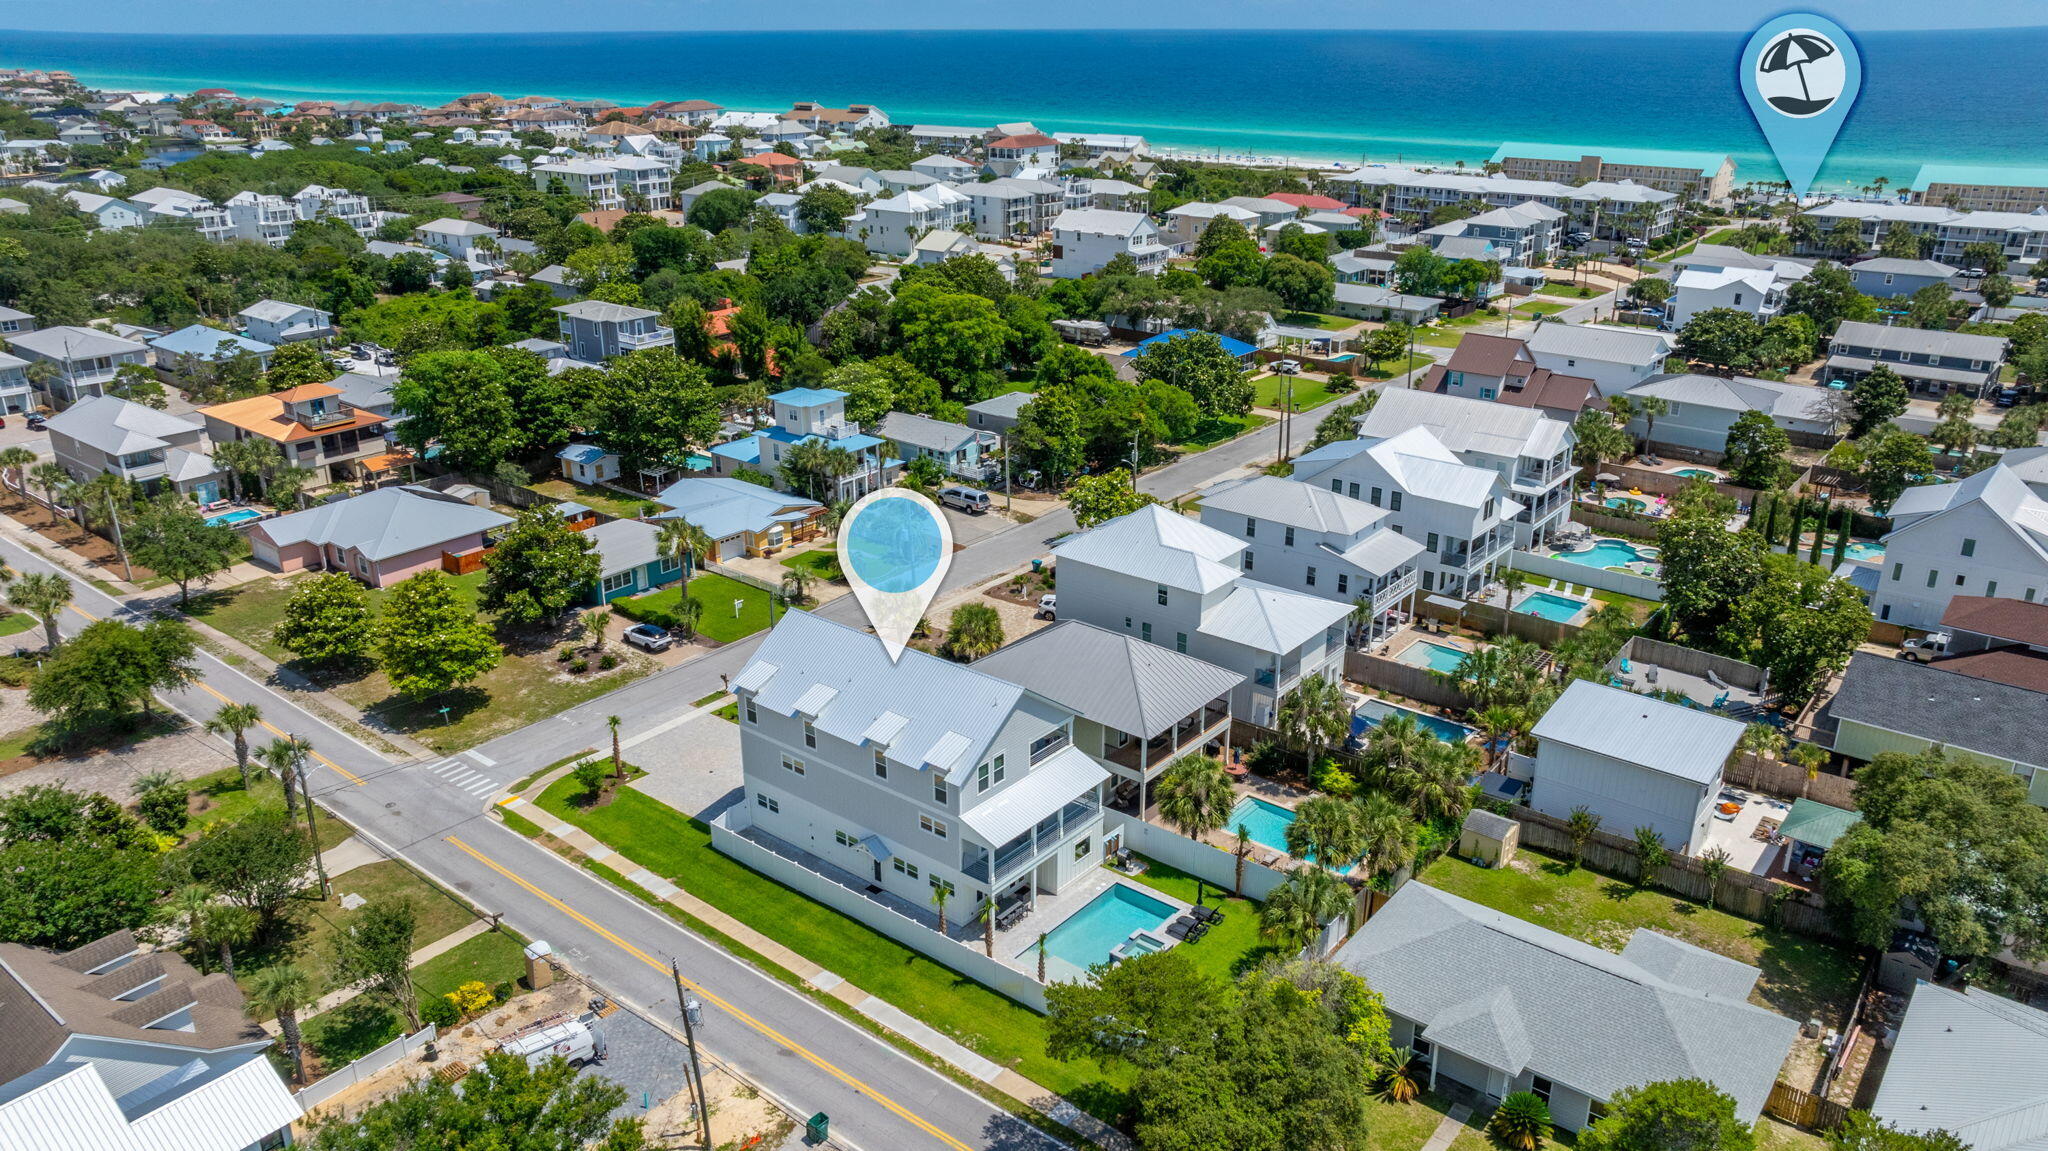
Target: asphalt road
433,813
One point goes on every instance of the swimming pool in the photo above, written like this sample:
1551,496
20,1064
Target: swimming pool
1087,937
1863,551
1605,553
1697,474
231,519
1266,824
1628,503
1551,606
1434,656
1372,711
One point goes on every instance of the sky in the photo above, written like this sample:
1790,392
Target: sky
447,16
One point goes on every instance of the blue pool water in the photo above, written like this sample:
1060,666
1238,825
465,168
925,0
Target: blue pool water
1546,605
1697,474
1374,710
1087,936
1266,823
238,516
1434,656
1863,551
1604,554
1629,503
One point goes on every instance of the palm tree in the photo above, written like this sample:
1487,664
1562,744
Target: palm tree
1327,830
1582,826
618,763
1314,716
233,721
683,543
281,756
941,892
1400,1075
1195,795
1498,726
188,906
1241,850
988,926
1439,787
44,594
1521,1122
1395,745
51,478
109,493
228,926
1041,957
1651,407
796,585
1295,911
1811,757
593,626
1761,740
1388,833
14,463
281,991
974,631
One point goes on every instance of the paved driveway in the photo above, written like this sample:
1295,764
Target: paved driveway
695,768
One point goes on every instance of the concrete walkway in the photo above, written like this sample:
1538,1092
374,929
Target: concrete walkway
441,946
348,855
1448,1128
1038,1097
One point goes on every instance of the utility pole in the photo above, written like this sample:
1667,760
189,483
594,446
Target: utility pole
684,1005
1134,461
299,750
1003,445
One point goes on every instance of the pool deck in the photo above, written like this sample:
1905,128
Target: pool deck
1016,946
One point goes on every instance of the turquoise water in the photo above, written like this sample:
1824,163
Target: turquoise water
1434,656
1697,473
1373,711
1370,95
1087,936
1863,551
1267,824
1545,605
1630,502
1604,553
230,519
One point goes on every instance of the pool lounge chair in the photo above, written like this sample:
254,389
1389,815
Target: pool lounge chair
1205,914
1196,932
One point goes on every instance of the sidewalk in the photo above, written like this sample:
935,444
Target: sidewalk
1041,1099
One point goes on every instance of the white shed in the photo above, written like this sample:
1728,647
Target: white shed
1632,760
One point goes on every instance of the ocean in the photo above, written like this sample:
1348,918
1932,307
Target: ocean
1955,97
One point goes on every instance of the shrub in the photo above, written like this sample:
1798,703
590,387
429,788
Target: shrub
1266,757
1329,778
163,808
1521,1122
439,1012
565,655
591,774
607,661
579,666
472,997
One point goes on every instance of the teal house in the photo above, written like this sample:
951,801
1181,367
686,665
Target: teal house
629,562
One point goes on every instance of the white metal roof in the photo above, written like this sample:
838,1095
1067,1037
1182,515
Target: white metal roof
1050,785
1463,424
1271,619
1970,1063
1158,544
1663,737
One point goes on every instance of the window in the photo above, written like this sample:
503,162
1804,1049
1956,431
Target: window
1897,571
1311,575
619,582
1969,547
1354,490
1180,642
810,734
1289,541
765,803
1247,561
1394,501
1538,1085
987,773
941,885
1160,594
935,826
1885,612
903,867
1991,587
939,792
2030,595
1343,584
1932,575
1487,511
1081,848
1431,545
792,765
1595,1110
752,717
1145,629
1338,486
1486,393
1127,623
1251,528
845,839
881,764
1375,501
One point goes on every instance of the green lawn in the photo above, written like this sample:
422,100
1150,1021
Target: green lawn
679,848
1802,978
220,798
309,943
716,592
1217,429
1308,393
820,562
1403,1126
251,612
1233,946
1541,308
16,622
611,503
1440,337
366,1023
1316,320
1568,289
494,958
1388,369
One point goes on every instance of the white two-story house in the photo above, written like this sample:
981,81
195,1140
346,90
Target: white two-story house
595,182
800,415
911,776
892,225
85,359
1985,536
1716,276
595,331
645,183
1169,580
263,218
107,435
1525,447
1313,540
1462,515
1085,239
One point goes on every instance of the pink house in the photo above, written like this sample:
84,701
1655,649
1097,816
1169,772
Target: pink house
379,537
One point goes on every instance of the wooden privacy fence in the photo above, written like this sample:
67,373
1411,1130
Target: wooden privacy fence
1403,679
1804,1109
1597,518
1788,781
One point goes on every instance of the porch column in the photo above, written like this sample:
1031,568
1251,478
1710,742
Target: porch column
1144,767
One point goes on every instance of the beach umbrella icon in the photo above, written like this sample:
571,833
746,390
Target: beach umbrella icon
1795,50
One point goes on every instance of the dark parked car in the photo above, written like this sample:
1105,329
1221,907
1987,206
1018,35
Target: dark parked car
647,637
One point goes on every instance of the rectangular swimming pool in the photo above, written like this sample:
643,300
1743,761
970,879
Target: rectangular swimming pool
1087,937
1373,711
1434,656
1605,553
233,518
1548,605
1266,823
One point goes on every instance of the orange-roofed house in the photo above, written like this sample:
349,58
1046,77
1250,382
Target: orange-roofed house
1307,201
785,169
314,425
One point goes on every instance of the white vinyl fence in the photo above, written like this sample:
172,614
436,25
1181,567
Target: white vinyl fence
1627,583
314,1094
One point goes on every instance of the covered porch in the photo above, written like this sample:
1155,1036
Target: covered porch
1135,763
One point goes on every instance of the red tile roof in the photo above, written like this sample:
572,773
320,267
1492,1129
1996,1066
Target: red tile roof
1305,200
1028,140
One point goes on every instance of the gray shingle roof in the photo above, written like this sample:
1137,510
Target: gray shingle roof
1943,707
1116,680
68,343
1005,406
1664,737
1494,987
384,523
118,427
1593,342
1969,1062
622,545
1919,341
598,311
923,432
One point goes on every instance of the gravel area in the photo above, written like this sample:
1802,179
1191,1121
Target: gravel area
188,753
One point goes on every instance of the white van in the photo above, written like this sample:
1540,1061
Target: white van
571,1039
966,499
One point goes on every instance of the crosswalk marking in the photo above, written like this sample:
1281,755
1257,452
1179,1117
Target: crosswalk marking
480,757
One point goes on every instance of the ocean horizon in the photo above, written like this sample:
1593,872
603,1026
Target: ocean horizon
1312,96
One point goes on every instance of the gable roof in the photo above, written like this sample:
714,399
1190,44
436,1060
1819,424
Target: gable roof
1892,266
1738,394
1529,998
1281,500
1969,1062
1116,680
204,342
1664,737
622,545
1006,406
1102,221
924,431
118,427
1919,341
2004,494
723,507
598,311
73,343
1464,424
1596,342
1926,701
384,523
1270,619
1999,618
1158,544
1415,460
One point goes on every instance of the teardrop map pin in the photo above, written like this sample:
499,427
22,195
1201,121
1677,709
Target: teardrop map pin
1801,74
894,547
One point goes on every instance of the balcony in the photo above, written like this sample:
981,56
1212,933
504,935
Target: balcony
1194,732
658,338
1013,857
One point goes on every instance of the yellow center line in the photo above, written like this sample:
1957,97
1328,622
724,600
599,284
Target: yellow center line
83,612
266,725
766,1031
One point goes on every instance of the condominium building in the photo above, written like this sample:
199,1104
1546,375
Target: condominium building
1607,208
1981,188
1692,175
2022,237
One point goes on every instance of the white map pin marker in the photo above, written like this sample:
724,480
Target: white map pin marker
894,547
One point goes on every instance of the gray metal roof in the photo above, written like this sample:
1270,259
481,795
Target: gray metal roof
924,432
1969,1062
1508,992
1157,544
1270,619
70,343
1463,424
1116,680
1887,265
1597,342
1277,499
1739,394
119,427
1944,707
1005,406
1414,460
1663,737
623,545
600,312
384,523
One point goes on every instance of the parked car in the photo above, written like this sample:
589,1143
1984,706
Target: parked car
1048,605
1287,367
2007,397
36,422
1926,648
967,499
647,637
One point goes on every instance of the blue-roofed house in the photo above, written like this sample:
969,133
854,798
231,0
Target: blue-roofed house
588,464
203,343
629,561
804,414
1231,344
742,518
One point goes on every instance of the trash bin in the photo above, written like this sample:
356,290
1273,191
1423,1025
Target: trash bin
1037,566
818,1128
